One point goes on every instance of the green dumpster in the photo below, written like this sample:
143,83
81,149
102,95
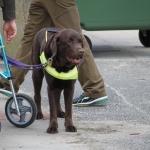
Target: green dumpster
116,15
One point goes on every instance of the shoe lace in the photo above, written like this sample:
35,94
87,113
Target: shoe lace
79,98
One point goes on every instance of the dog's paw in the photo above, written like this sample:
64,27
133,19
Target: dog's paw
71,129
52,130
39,116
61,114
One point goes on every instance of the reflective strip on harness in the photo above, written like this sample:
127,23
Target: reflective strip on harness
70,75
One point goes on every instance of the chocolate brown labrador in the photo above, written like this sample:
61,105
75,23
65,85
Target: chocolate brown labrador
63,50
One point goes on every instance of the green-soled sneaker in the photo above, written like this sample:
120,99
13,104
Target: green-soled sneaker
83,100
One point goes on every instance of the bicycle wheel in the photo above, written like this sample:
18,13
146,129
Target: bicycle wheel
27,108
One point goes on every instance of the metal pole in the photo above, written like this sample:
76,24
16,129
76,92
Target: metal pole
14,96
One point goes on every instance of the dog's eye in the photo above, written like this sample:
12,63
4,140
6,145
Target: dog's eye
69,41
81,42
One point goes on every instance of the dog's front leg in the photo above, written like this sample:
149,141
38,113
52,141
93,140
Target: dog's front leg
37,77
68,96
53,125
60,112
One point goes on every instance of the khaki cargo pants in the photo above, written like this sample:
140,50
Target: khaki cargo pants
61,14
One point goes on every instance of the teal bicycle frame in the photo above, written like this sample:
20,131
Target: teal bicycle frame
7,74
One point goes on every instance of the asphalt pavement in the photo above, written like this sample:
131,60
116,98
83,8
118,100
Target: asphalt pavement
122,123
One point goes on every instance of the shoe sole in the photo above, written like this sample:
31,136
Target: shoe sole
95,102
6,92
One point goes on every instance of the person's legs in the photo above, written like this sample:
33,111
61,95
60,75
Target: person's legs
38,18
64,14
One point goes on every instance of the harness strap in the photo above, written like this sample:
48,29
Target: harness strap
53,30
70,75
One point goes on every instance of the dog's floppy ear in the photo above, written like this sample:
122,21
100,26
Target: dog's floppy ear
53,44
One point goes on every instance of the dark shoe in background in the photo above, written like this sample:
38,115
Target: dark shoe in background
4,91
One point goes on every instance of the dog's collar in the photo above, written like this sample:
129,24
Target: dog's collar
70,75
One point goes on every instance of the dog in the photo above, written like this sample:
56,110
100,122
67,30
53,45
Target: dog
61,50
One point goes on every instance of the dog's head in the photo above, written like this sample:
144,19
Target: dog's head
66,46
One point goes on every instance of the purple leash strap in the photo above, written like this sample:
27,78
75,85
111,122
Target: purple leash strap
21,65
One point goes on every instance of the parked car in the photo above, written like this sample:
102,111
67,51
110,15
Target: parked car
116,15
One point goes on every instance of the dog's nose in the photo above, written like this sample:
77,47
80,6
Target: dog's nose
81,51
